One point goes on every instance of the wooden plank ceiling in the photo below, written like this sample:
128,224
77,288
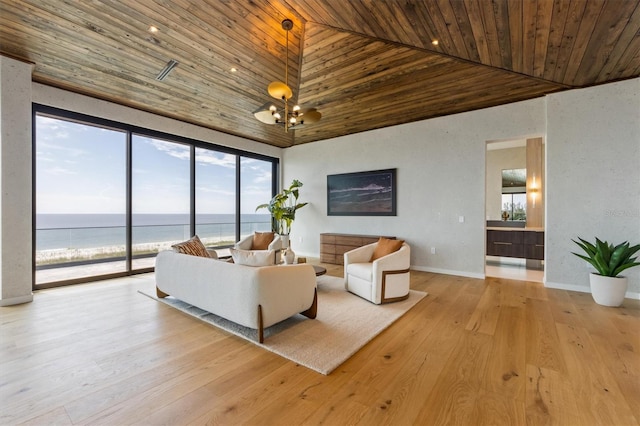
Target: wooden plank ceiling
363,64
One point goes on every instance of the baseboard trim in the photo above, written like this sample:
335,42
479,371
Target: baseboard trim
569,287
583,289
17,300
448,272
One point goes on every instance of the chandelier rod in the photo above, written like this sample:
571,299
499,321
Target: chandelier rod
269,113
286,27
286,60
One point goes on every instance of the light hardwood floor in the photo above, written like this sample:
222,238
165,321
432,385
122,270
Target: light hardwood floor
473,352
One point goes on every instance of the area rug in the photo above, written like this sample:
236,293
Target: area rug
344,324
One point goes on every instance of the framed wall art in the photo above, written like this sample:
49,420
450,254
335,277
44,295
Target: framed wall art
371,193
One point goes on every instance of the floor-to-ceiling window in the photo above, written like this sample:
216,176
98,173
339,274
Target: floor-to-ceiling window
160,196
216,196
80,193
108,196
256,188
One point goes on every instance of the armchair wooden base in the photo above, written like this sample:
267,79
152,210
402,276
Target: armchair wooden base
384,286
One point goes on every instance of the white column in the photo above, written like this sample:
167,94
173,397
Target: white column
15,182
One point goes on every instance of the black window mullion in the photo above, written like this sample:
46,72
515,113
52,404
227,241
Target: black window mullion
238,206
192,208
129,204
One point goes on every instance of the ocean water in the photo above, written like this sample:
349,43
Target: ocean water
77,231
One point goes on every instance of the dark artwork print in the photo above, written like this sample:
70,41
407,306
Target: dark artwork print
370,193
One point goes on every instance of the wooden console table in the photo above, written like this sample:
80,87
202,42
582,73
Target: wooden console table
334,246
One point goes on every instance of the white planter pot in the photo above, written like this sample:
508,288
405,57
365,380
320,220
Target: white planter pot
289,256
608,291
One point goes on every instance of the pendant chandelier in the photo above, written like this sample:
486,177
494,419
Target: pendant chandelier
282,112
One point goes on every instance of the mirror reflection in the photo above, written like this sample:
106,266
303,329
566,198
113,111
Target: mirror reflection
514,194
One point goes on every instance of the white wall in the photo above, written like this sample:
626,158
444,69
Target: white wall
441,176
592,165
593,176
15,182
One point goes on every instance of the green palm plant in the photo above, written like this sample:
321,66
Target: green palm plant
283,207
609,260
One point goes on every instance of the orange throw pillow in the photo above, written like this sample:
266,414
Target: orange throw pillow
261,240
385,246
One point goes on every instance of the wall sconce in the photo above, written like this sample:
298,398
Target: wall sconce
533,188
534,194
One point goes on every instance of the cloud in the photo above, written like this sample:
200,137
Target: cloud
219,191
263,176
58,171
215,158
175,150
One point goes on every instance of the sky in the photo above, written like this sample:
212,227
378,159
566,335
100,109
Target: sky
81,169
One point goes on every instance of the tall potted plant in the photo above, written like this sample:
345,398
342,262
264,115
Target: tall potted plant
283,207
607,287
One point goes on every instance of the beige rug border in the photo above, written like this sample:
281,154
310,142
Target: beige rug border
297,338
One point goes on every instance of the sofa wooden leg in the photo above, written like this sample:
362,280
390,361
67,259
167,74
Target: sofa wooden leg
313,310
260,325
161,294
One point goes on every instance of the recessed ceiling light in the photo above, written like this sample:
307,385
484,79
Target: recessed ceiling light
434,42
153,29
233,69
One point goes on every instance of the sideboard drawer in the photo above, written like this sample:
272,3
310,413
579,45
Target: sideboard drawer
334,246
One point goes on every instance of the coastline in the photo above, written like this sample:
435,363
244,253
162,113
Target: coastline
64,255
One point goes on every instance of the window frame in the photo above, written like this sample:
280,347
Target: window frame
131,130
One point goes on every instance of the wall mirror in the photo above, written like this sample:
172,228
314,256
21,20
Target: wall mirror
514,194
514,180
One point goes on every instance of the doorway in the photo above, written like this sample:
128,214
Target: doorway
514,208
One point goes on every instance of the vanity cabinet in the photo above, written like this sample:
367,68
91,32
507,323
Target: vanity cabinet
534,245
521,243
505,243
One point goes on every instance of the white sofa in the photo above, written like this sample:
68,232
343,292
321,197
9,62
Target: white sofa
255,297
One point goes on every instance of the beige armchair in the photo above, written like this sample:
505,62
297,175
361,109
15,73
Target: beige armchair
257,242
383,280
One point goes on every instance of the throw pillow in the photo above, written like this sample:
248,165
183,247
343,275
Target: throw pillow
385,246
261,240
193,246
253,257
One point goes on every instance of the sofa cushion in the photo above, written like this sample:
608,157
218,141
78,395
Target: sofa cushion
253,257
261,240
192,246
384,247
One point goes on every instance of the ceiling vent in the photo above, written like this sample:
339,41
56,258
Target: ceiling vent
167,69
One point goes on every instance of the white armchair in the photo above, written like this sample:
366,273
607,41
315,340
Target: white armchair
246,243
382,281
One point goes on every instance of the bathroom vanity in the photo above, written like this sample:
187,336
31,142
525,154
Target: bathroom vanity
524,243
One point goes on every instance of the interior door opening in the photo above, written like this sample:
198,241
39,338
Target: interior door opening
514,204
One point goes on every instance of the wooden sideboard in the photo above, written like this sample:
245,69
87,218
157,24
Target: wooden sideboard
334,246
522,243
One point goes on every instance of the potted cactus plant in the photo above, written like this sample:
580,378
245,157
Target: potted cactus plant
608,288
